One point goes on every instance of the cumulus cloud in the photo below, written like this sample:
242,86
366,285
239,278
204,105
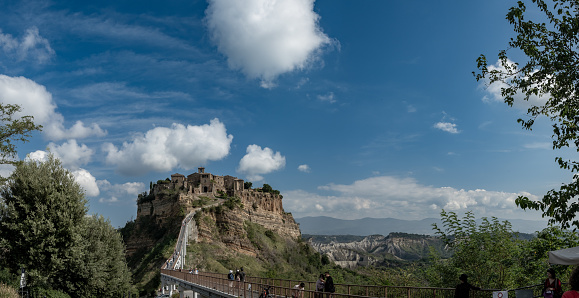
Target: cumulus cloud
304,168
494,91
38,155
447,126
165,148
265,38
127,191
87,181
32,46
257,162
71,154
36,101
387,196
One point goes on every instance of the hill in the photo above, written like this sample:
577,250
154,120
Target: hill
396,249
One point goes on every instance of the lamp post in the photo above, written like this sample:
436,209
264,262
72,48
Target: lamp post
23,290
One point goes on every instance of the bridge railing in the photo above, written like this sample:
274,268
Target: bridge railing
252,286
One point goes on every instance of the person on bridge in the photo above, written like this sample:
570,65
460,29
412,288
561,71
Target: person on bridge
298,290
320,287
462,290
329,285
241,275
574,284
231,278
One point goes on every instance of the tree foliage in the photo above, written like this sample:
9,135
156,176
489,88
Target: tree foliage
485,252
551,74
44,228
13,129
247,185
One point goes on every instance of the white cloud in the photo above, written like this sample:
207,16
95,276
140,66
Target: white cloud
446,126
87,181
71,154
36,101
259,161
539,145
402,198
6,170
328,97
304,168
38,155
265,38
162,149
302,82
494,91
110,200
120,193
32,46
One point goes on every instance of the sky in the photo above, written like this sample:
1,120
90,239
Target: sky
351,109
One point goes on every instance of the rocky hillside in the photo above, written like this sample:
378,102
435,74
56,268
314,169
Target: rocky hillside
227,223
375,250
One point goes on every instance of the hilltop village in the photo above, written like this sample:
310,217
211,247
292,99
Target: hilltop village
169,201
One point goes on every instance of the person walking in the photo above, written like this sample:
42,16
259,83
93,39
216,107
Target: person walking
462,290
329,285
231,278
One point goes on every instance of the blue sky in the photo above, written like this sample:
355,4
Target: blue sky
351,109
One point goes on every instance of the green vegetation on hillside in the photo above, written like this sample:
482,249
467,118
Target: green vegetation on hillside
145,263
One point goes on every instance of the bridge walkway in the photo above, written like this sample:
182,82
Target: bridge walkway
217,285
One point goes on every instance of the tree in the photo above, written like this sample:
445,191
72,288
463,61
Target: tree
44,228
266,188
247,185
534,254
104,269
13,129
551,74
486,252
41,214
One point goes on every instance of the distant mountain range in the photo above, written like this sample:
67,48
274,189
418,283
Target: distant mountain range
323,225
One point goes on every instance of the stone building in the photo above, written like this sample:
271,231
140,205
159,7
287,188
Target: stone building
207,183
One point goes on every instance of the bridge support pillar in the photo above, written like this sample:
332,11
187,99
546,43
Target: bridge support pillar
186,293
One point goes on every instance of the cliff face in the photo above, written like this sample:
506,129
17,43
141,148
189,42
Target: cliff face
228,225
374,250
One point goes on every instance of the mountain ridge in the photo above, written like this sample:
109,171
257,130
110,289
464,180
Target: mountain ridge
325,225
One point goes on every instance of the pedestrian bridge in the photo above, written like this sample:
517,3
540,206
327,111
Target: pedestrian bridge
207,284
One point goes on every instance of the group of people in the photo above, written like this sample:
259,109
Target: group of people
238,276
324,285
551,287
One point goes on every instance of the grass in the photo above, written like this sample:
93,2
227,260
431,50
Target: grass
8,292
